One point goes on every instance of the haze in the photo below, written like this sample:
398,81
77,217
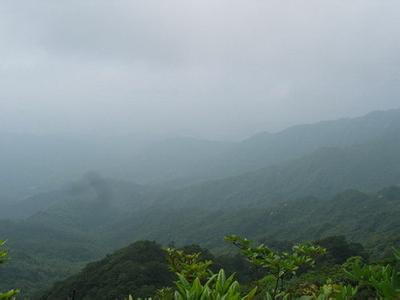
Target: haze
221,69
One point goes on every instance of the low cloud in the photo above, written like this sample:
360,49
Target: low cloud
216,69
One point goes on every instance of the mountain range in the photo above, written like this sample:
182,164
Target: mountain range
306,182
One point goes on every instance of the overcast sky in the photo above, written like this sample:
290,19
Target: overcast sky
206,68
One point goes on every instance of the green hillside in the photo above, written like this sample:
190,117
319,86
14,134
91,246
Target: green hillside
371,219
140,268
144,269
57,241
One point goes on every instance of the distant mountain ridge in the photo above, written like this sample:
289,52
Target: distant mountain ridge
260,150
323,173
268,149
36,164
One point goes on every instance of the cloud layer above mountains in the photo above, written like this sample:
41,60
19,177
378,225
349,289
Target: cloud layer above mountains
206,68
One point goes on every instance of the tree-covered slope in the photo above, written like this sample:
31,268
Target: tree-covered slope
141,268
52,251
42,253
138,269
371,219
55,242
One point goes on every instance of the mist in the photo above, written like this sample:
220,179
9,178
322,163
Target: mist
207,69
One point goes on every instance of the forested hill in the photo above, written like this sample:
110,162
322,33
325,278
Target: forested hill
55,242
142,268
139,269
370,218
45,249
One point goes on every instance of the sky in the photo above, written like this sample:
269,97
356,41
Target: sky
216,69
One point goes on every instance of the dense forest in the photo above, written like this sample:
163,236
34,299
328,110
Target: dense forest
330,268
332,184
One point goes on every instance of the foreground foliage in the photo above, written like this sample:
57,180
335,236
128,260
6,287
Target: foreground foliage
195,281
327,269
3,257
281,266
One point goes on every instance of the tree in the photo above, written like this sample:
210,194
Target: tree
280,265
197,282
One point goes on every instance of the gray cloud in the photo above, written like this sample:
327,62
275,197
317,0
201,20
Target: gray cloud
217,69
